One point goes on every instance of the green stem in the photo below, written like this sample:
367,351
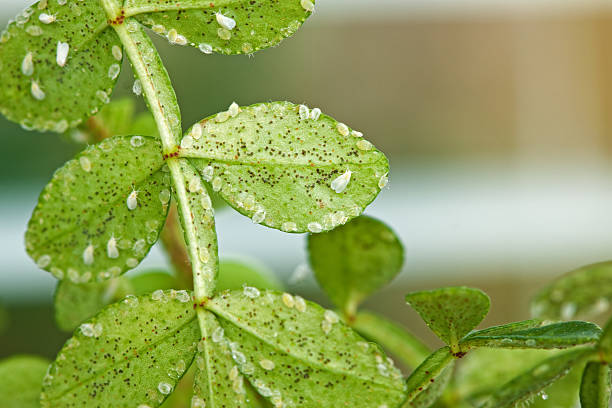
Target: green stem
198,226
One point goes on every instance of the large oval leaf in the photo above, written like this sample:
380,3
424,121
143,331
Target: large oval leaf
584,291
132,353
225,26
281,169
289,348
102,211
58,64
355,260
21,381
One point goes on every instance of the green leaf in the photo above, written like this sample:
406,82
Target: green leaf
277,169
431,394
82,227
234,274
482,371
258,25
450,312
392,337
21,381
39,93
534,380
556,335
427,374
133,352
218,381
74,303
506,329
584,291
595,386
355,260
115,119
289,348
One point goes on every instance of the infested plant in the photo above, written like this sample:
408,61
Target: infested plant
228,329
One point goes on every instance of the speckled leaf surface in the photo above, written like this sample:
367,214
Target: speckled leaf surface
581,292
21,381
278,169
426,374
132,353
450,312
258,24
218,381
556,335
432,393
531,382
288,348
74,303
355,260
36,90
595,386
391,336
82,228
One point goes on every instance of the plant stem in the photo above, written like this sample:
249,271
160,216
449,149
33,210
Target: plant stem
175,247
159,94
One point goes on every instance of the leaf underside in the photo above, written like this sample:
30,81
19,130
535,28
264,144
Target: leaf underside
355,260
595,386
450,312
133,352
584,291
556,335
277,169
261,24
21,378
287,353
70,93
85,206
533,381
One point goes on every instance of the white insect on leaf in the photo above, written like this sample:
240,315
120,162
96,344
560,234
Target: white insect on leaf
111,248
27,65
88,255
226,22
339,183
132,200
62,53
46,18
36,91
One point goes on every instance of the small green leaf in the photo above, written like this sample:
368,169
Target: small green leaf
133,352
392,337
21,379
75,303
58,65
102,211
355,260
427,374
584,291
234,274
595,386
279,170
534,380
430,395
506,329
289,348
556,335
204,24
450,312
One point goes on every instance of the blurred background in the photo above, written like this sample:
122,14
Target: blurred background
496,116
